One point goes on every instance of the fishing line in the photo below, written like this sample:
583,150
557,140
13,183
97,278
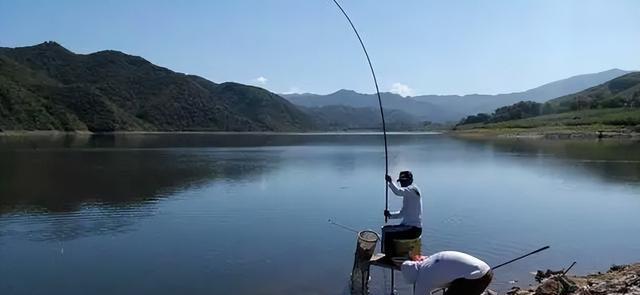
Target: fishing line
384,127
351,229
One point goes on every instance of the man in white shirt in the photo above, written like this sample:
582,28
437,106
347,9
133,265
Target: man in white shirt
411,213
460,273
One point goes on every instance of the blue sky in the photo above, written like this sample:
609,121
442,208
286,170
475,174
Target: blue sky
417,47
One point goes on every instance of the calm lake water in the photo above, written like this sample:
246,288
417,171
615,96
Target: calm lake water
247,214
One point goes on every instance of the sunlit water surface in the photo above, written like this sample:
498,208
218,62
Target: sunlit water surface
247,214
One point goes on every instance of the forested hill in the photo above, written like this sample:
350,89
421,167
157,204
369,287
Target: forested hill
623,91
615,102
47,87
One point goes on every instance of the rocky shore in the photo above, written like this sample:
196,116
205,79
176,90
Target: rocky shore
550,133
620,279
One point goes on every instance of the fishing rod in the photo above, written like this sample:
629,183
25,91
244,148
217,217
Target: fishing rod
523,256
569,268
384,127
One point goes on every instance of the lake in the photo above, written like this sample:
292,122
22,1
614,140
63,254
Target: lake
200,213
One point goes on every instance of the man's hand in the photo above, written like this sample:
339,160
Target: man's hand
387,214
418,257
388,178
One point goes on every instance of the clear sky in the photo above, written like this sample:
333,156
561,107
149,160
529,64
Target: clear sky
417,46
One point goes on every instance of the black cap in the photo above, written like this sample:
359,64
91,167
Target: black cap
405,175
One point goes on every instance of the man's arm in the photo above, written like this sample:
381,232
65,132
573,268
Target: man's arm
401,191
393,215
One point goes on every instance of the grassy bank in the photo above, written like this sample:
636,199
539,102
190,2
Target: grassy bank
603,123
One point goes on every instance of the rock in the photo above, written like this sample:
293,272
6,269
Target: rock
617,267
582,291
540,275
549,287
518,291
620,279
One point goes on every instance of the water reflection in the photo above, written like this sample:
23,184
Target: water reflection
67,226
609,160
63,180
220,214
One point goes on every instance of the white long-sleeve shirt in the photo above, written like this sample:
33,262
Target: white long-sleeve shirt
411,212
442,268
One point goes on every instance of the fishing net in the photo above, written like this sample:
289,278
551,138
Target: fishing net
365,248
367,241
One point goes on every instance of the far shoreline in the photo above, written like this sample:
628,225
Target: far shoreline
16,133
561,133
474,133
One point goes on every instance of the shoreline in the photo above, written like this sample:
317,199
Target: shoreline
549,133
476,133
89,133
619,279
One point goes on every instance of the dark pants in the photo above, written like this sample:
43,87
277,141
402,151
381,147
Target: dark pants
470,287
397,232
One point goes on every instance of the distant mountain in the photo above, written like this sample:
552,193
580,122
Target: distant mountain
623,91
480,103
47,87
441,108
421,110
620,95
340,118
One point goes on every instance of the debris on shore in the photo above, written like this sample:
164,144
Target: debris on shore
620,279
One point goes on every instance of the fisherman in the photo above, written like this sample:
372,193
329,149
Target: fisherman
411,212
459,273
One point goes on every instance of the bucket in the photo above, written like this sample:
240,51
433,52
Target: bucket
407,248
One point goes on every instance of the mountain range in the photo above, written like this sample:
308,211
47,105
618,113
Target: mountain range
623,91
441,108
47,87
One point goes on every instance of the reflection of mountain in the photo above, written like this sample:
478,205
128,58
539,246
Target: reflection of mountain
64,179
66,226
614,161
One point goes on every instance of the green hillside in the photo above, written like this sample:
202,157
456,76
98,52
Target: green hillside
623,91
615,103
47,87
595,119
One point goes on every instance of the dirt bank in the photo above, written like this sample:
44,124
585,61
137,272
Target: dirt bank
618,280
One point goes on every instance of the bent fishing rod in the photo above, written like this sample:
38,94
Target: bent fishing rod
384,127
